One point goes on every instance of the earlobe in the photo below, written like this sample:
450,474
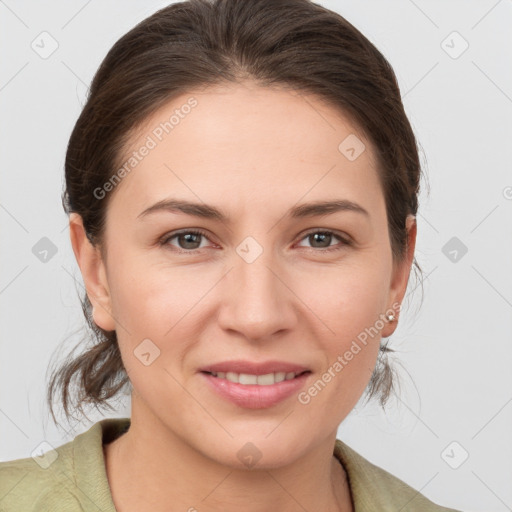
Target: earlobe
400,278
93,272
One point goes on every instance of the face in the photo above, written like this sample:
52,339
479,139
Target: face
252,280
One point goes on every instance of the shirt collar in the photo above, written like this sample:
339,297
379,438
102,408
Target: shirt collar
364,478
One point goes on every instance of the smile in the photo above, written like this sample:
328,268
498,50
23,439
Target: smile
261,380
251,391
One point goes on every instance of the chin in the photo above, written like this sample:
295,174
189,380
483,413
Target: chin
253,452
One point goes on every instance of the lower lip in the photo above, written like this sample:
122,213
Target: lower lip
254,396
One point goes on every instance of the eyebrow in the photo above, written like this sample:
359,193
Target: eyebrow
206,211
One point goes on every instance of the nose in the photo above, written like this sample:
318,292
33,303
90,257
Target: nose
256,301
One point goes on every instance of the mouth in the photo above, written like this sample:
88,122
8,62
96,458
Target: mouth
248,379
251,391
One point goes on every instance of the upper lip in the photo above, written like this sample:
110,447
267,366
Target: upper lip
254,368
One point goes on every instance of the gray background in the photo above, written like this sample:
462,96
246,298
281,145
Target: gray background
454,353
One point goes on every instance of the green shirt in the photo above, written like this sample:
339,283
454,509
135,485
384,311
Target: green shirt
76,480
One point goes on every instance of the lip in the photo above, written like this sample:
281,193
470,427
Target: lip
254,368
254,396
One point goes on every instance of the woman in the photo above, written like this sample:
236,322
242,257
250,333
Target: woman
242,187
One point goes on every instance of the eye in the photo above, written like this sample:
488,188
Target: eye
188,240
324,238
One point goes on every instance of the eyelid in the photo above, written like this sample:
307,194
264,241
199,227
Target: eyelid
342,236
345,239
169,236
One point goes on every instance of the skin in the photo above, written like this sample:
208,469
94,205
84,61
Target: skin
254,153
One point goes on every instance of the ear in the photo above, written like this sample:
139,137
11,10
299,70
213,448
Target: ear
93,272
400,278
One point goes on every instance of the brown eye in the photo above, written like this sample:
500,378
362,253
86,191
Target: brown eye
187,240
323,240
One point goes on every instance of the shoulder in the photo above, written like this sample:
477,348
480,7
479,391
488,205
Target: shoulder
38,483
374,488
70,478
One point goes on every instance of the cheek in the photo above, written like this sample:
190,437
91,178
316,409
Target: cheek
163,304
157,300
151,302
348,298
336,308
149,299
336,304
349,305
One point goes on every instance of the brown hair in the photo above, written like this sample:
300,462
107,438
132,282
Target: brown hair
198,43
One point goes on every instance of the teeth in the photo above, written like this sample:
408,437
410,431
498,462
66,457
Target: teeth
262,380
245,378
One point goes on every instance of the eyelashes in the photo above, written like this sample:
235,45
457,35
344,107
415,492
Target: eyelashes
198,233
165,241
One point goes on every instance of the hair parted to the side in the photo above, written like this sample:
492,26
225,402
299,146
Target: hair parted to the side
191,45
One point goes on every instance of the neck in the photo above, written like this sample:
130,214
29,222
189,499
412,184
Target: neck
150,467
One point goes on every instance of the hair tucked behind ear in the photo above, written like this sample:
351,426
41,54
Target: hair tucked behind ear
193,44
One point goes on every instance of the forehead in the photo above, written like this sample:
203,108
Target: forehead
247,144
